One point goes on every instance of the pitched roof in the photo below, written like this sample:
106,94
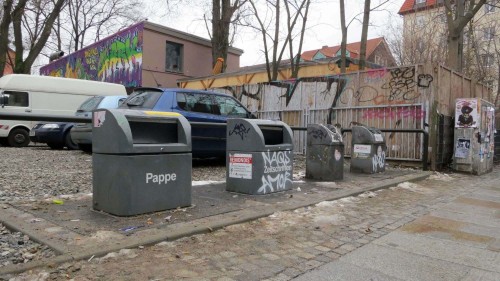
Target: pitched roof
353,48
409,6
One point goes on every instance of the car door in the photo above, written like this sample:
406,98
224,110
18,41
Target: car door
207,139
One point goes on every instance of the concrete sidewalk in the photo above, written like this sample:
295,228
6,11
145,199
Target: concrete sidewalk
459,240
70,228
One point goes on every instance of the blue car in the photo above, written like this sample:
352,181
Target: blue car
213,109
55,135
81,133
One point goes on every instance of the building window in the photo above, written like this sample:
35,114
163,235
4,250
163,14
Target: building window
487,59
417,2
419,21
174,54
489,8
489,33
442,17
420,46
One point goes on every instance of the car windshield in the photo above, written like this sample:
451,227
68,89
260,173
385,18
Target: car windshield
142,99
90,104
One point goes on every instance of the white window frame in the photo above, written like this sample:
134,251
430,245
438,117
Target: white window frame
419,2
488,60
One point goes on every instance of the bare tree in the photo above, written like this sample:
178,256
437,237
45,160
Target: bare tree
276,40
343,43
31,35
223,15
4,33
364,35
419,39
458,15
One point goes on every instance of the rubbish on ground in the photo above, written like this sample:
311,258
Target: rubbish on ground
58,201
130,228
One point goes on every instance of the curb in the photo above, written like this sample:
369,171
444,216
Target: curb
204,225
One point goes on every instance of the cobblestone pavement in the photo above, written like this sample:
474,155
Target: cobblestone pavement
279,247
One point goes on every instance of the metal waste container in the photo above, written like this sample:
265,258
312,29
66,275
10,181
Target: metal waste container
141,161
259,156
325,153
367,150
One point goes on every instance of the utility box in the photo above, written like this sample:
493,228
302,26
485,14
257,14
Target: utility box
141,161
474,137
325,153
259,157
367,150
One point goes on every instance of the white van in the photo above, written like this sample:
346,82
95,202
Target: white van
21,93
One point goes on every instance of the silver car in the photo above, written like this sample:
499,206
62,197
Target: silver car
81,133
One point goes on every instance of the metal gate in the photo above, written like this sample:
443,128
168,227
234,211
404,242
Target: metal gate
400,146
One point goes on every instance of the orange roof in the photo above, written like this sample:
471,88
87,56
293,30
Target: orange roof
353,48
409,6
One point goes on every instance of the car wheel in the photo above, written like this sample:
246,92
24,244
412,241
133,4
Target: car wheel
55,145
69,142
85,147
18,138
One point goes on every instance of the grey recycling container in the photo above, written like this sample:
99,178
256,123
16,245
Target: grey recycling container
325,153
141,161
368,150
259,156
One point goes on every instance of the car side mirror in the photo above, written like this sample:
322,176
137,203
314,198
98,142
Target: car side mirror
3,100
252,116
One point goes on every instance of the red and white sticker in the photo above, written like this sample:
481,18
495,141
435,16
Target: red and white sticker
240,166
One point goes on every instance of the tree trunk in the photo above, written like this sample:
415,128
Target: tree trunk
364,35
222,13
456,23
4,30
343,44
24,66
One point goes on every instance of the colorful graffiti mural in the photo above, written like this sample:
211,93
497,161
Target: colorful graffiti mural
116,59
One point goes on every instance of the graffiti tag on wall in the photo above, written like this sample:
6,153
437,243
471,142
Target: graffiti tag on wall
117,59
277,171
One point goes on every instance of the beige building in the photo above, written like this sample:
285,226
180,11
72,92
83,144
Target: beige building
425,38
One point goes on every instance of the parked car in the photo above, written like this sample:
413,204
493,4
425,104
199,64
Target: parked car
34,95
81,133
55,135
196,106
58,135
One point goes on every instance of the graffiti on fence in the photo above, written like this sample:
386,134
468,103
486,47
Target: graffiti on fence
399,88
424,80
244,92
117,59
392,113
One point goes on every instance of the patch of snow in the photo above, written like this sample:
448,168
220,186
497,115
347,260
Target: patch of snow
368,194
440,176
197,183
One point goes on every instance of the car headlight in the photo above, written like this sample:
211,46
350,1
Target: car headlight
50,126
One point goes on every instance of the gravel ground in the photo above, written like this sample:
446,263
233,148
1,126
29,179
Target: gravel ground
39,173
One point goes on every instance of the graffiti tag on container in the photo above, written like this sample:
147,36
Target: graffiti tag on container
378,159
277,171
318,134
240,130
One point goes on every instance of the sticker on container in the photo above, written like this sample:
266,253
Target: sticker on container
362,150
99,117
378,137
240,166
338,155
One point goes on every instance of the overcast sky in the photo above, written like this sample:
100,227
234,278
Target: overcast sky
323,24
